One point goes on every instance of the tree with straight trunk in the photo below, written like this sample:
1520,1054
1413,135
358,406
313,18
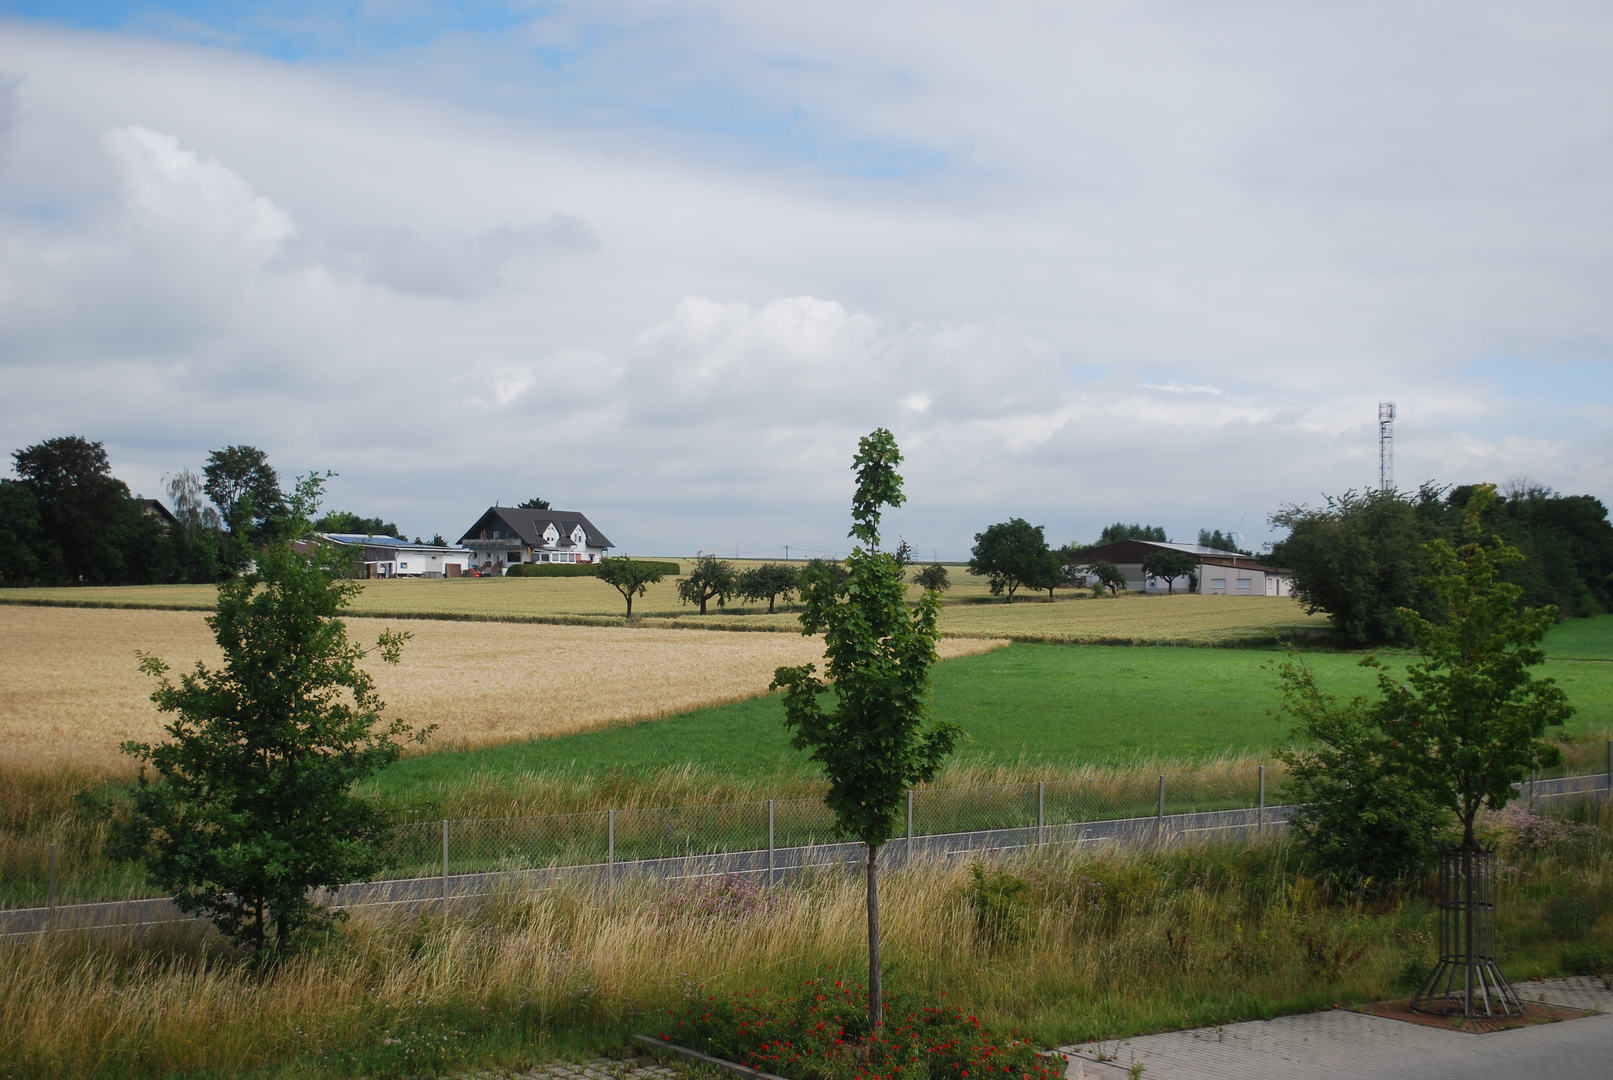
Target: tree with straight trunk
628,577
1167,566
878,741
768,582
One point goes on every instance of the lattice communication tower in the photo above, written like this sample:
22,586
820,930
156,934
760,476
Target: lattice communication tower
1386,445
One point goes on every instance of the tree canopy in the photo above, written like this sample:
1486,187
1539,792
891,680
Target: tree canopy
1107,576
876,743
1010,554
533,504
711,579
628,577
768,582
345,521
252,804
1220,541
1113,534
1167,566
240,476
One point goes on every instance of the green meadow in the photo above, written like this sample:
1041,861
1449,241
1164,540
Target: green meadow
1028,706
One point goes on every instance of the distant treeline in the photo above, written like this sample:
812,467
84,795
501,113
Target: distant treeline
66,520
1360,557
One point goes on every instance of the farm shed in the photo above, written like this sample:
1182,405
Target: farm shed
505,536
389,557
1220,573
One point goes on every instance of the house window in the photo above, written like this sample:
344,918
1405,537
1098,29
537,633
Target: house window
515,556
1218,583
403,566
1246,583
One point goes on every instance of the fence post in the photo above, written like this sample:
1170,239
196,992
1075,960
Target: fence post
445,860
52,902
1041,812
1159,822
907,848
1260,815
610,846
770,841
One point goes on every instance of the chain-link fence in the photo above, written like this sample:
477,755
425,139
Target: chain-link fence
33,874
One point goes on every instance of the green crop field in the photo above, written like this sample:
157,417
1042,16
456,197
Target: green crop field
1028,706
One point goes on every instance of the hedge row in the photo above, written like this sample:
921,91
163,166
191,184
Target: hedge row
669,569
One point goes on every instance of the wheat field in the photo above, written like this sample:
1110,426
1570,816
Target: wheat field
71,691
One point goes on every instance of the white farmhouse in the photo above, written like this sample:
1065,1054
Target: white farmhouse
507,536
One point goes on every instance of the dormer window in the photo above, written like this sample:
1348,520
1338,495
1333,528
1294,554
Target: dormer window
551,536
578,537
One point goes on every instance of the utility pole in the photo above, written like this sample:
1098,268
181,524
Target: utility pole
1386,445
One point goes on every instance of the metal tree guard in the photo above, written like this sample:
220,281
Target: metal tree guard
1466,982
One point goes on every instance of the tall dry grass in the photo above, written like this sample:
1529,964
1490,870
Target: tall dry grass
1101,944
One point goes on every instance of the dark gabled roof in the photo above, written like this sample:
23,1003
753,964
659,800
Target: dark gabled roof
530,524
157,509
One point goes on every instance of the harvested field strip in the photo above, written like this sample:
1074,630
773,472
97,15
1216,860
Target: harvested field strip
1126,620
72,691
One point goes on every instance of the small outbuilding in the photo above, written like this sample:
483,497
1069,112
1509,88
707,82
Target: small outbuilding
1218,573
389,557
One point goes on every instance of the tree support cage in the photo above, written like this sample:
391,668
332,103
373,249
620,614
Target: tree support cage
1467,982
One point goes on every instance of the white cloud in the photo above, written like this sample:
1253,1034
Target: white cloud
1088,262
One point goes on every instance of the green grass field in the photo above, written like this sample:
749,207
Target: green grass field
1026,706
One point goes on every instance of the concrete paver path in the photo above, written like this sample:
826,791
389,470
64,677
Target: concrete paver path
1343,1045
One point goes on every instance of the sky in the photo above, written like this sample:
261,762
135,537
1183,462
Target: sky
665,262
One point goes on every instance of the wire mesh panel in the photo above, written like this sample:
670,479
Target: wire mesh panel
485,845
938,811
802,823
1212,789
676,831
1101,799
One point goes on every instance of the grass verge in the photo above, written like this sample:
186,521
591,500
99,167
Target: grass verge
1061,945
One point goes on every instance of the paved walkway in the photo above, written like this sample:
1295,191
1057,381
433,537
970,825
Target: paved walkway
1343,1045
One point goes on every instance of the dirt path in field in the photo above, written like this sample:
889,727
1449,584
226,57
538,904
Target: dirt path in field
71,690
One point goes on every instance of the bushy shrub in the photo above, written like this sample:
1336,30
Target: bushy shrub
821,1033
1587,960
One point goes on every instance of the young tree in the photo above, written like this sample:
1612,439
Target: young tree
904,556
1107,576
711,579
628,577
933,578
1010,554
1049,572
768,582
876,744
238,474
1167,566
252,805
1468,720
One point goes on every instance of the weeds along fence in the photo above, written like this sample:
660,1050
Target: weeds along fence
40,873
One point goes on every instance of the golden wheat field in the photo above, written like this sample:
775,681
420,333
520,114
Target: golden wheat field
70,689
1184,619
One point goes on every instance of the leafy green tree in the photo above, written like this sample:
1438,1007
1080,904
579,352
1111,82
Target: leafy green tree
628,577
1220,541
1049,572
933,578
1361,558
252,805
876,743
20,534
79,503
1107,576
711,579
1167,566
1119,531
533,504
1010,554
345,521
768,582
437,540
196,534
904,556
1361,822
1469,719
242,474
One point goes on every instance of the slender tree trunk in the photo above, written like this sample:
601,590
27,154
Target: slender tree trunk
629,605
876,989
702,605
